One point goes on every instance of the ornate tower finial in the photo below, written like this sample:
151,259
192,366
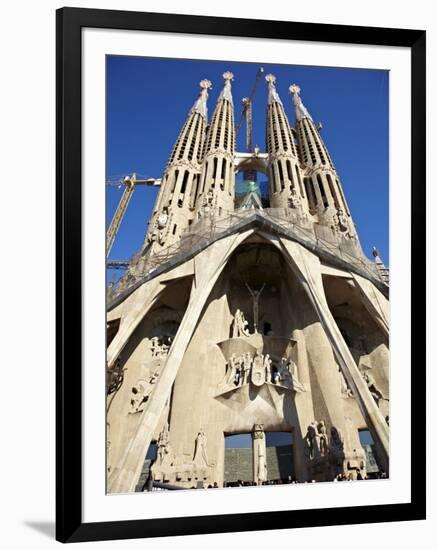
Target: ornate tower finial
200,103
300,109
205,84
273,94
226,92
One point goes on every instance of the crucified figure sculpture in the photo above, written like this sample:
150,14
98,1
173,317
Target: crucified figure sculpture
255,298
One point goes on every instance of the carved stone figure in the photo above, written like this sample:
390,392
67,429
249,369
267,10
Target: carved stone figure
267,368
343,225
240,325
258,431
139,395
164,453
285,366
258,372
238,370
114,377
323,438
312,440
158,348
230,370
200,456
206,204
153,234
162,220
293,199
255,299
247,364
276,375
342,222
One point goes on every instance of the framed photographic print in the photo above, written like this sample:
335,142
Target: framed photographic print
240,224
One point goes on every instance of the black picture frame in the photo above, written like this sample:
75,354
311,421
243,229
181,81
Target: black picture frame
69,525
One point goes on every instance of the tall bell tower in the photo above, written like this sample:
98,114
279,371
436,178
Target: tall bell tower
326,199
217,179
177,196
285,174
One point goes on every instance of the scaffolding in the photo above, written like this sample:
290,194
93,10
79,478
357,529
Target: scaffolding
343,253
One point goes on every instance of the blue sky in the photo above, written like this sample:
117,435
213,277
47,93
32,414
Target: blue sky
148,100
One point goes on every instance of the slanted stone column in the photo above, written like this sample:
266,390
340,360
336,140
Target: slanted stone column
307,267
375,302
138,304
208,266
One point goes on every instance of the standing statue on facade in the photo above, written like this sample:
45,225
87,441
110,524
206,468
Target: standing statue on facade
206,205
247,364
285,374
323,438
164,453
240,325
268,368
312,440
231,368
258,369
293,199
200,457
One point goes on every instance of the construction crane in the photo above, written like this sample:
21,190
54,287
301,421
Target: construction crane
130,182
117,264
246,113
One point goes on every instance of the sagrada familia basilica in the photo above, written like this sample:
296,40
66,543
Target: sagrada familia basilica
247,314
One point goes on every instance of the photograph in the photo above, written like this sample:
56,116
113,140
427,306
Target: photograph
247,274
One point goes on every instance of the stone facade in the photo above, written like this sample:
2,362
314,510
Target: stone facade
251,329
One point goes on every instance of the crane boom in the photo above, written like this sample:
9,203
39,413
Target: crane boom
130,182
246,113
118,215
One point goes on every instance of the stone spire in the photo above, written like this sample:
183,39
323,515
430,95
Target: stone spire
175,202
217,181
299,108
322,184
285,177
200,105
226,92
